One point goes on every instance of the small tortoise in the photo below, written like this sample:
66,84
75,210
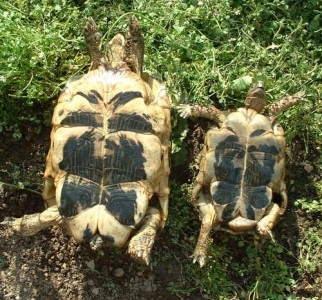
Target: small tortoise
106,177
242,166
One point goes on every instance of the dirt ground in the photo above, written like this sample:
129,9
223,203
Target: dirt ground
50,265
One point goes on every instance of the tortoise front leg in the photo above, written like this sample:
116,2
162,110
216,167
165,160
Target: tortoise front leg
134,47
207,215
286,102
209,112
93,39
31,224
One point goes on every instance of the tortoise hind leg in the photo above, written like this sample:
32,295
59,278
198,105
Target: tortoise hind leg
31,224
141,244
93,39
266,224
208,218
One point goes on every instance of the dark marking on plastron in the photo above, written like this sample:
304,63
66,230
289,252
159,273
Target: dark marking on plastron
231,142
108,239
97,94
79,158
257,197
83,119
250,214
259,172
134,123
225,193
226,154
270,149
91,97
87,233
125,163
77,196
224,166
228,213
121,204
258,132
123,98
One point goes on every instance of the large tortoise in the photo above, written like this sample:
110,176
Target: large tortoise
242,166
106,177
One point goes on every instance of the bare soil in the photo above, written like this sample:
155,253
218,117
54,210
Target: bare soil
51,265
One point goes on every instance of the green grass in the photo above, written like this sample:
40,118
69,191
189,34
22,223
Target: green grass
207,52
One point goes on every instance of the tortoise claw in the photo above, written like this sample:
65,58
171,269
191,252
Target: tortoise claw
140,248
184,110
11,224
200,257
7,222
93,39
266,232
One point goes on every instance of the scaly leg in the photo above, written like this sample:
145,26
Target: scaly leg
278,107
31,224
207,215
134,47
266,224
209,112
141,244
164,190
284,202
93,39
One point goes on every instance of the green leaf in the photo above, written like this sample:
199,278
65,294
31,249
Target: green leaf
242,83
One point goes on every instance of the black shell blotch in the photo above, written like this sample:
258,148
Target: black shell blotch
125,163
122,205
91,97
259,172
124,97
79,158
76,196
258,132
133,122
225,169
225,193
82,119
87,233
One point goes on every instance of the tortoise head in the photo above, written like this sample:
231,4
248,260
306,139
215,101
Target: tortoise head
256,96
